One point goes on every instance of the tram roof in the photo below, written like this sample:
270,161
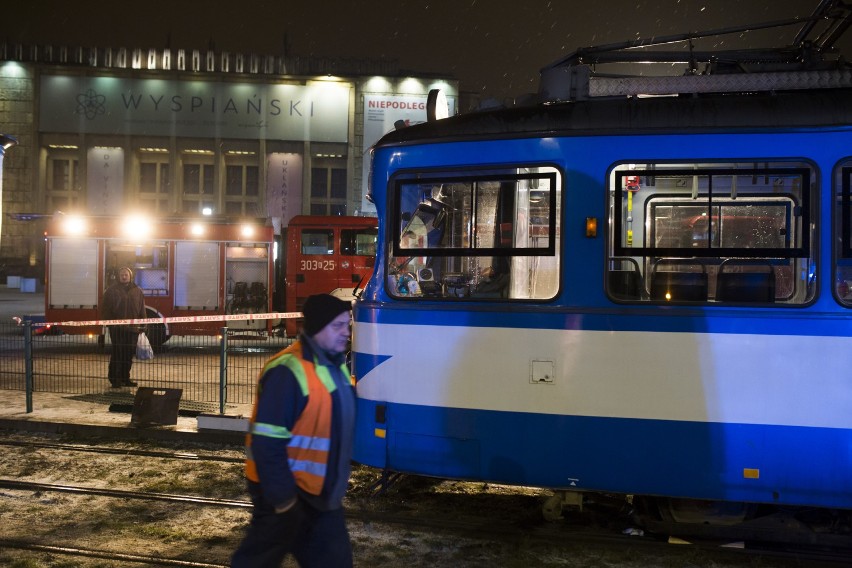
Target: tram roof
710,112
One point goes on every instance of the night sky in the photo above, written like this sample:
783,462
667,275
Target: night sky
495,48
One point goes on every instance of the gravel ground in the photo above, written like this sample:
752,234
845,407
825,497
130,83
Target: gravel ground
211,534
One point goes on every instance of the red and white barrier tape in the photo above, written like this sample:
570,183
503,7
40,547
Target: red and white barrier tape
176,319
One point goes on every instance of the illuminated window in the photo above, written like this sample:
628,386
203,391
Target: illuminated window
843,225
470,236
149,262
711,233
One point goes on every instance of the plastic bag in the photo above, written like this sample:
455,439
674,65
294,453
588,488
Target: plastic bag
144,352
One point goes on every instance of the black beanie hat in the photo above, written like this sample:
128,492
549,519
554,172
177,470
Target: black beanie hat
320,309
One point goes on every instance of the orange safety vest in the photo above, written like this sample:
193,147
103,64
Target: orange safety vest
310,439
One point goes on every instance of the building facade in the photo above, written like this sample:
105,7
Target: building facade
179,133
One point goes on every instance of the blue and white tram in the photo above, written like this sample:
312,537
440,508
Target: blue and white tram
646,296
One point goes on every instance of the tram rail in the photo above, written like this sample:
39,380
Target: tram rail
120,451
105,554
467,512
473,527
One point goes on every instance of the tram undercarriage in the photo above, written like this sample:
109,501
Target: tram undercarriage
751,524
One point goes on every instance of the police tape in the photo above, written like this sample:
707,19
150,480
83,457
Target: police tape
175,319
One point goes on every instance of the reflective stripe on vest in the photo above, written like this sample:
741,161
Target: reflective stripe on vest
310,439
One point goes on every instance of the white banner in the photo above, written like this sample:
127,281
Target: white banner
284,187
157,107
381,112
105,180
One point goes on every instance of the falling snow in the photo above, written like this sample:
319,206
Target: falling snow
494,47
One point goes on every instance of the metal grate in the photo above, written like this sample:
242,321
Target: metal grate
77,364
127,399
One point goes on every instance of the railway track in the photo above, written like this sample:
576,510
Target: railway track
122,494
120,451
105,555
479,528
424,512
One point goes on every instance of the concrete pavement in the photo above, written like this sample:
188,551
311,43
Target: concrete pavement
78,415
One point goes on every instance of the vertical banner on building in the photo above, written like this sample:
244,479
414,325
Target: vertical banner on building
105,180
381,112
284,188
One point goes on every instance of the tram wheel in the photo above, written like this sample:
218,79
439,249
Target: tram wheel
664,516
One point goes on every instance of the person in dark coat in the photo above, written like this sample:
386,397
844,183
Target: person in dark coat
122,300
299,447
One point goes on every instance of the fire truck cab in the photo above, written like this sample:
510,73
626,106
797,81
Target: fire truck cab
324,253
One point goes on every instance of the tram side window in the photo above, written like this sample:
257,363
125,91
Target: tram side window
486,236
711,233
843,222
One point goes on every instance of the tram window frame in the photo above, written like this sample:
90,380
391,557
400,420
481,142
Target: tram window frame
771,268
846,211
842,277
473,235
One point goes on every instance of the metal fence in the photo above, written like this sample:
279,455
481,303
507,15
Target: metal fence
212,371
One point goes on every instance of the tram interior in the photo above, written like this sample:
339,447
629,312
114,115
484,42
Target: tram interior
711,233
680,232
484,237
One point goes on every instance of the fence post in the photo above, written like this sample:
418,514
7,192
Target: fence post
28,363
223,370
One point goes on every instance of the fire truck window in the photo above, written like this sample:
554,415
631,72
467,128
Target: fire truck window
317,241
358,242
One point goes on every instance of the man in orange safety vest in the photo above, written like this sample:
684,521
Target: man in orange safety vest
299,447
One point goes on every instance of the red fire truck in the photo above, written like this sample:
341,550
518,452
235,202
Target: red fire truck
324,253
185,268
192,268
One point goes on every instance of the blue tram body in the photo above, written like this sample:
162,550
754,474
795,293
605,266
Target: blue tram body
676,319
